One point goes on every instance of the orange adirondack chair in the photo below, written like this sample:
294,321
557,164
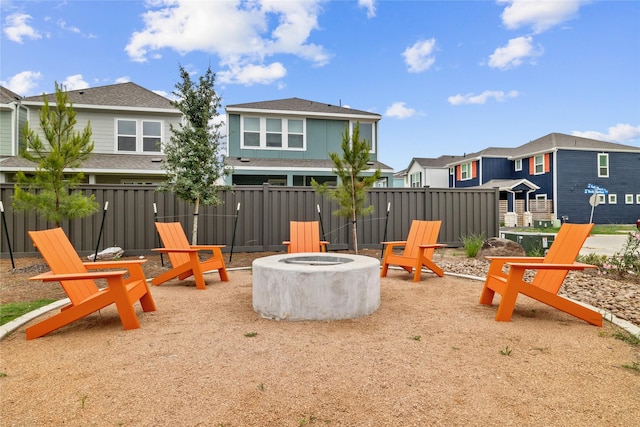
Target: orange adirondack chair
305,237
185,260
552,270
418,250
78,283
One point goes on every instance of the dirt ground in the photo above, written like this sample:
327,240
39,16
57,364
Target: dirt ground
430,355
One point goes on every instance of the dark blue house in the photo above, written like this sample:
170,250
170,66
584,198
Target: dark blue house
557,177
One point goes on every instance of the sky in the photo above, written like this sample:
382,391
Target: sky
447,77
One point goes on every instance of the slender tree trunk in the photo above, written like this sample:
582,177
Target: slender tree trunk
196,209
354,233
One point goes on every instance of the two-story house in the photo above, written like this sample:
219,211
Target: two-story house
129,124
288,141
428,172
554,177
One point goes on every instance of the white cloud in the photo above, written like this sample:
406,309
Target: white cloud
485,96
540,15
370,6
74,82
620,133
123,79
253,74
16,28
240,33
419,57
399,110
63,24
23,83
514,53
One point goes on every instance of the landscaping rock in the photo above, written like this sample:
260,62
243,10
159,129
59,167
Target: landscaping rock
108,254
496,246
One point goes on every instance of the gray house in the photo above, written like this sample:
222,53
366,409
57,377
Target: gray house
129,125
288,141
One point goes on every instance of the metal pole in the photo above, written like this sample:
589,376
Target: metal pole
155,219
104,214
235,225
321,225
386,222
6,233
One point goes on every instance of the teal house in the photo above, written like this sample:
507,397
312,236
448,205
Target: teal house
287,142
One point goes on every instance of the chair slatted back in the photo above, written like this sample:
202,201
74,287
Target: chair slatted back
304,236
62,258
564,250
421,233
173,236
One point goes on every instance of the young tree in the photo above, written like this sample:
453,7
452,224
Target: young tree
193,164
64,150
352,188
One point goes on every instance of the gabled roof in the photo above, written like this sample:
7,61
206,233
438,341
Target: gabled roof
566,142
101,163
118,95
7,96
439,162
298,105
510,184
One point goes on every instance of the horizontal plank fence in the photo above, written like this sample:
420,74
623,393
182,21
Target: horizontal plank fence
256,218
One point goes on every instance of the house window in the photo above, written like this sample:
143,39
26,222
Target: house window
601,199
613,199
603,165
518,165
628,199
538,163
366,133
637,199
416,179
272,133
138,135
452,171
540,203
465,171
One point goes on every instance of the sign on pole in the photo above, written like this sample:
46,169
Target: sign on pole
594,199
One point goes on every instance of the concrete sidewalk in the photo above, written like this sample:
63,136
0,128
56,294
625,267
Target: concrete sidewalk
603,244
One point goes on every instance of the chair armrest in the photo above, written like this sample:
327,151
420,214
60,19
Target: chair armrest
393,244
113,264
433,245
206,247
168,250
515,259
542,266
286,242
49,276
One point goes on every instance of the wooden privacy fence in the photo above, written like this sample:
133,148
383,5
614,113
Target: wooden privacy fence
256,218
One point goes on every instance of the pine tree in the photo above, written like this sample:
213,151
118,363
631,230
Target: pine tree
352,188
50,189
193,164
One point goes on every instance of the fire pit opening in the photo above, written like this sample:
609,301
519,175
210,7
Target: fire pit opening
316,260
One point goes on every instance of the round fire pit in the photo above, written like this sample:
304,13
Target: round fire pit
316,286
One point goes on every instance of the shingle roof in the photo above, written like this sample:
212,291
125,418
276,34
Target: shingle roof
119,95
439,162
138,163
7,96
302,105
255,163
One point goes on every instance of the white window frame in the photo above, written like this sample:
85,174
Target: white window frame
352,124
284,132
518,165
139,135
415,180
606,173
628,199
539,164
466,171
613,199
637,199
601,199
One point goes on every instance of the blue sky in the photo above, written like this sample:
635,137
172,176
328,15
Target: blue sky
448,77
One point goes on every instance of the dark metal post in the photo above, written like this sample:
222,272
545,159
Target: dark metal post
6,233
104,214
321,226
155,219
235,225
386,222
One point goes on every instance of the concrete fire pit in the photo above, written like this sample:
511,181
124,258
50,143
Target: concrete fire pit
316,286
